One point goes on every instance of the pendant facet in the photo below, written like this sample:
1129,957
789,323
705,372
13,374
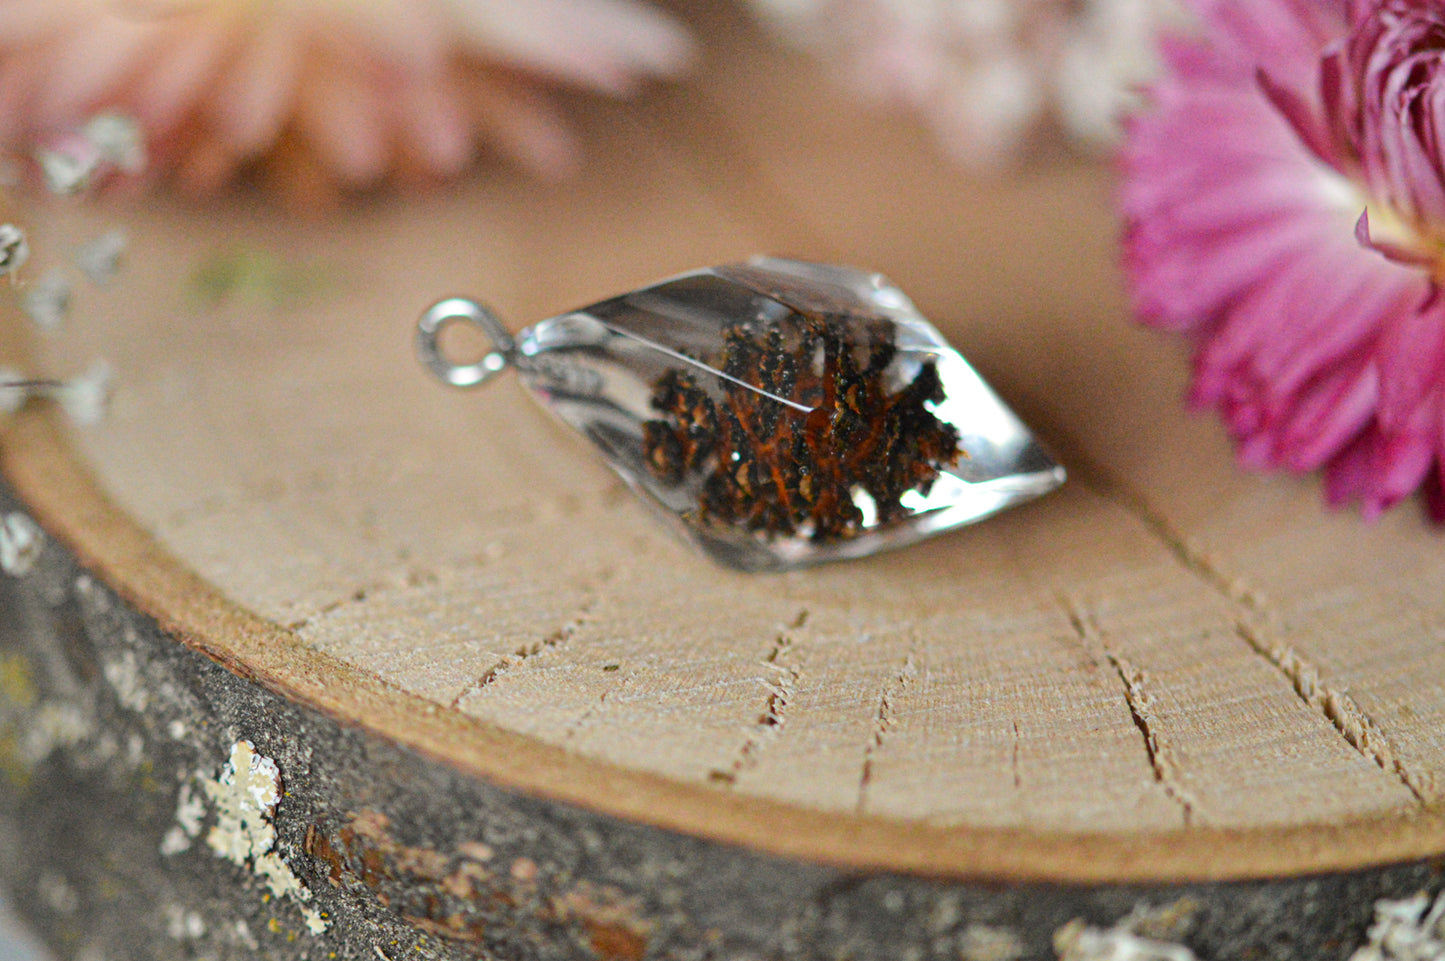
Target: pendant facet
781,413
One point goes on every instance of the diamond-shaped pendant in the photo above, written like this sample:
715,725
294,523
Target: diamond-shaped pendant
779,413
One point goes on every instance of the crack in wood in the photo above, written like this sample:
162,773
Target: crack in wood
1014,758
525,652
1358,729
357,596
1190,557
412,578
403,579
1162,759
1353,724
788,668
884,720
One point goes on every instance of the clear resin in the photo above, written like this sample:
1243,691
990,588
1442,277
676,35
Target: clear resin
785,413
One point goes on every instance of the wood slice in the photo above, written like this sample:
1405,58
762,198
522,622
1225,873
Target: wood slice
1171,707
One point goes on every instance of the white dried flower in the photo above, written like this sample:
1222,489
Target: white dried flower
118,140
47,301
68,169
86,399
100,258
12,393
21,542
73,162
981,116
984,73
14,249
1105,64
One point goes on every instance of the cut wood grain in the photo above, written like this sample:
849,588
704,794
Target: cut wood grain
1167,672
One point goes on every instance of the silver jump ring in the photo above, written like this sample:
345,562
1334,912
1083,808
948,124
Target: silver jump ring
455,310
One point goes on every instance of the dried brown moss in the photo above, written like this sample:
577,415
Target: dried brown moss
789,469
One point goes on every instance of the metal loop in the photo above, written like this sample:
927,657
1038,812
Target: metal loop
461,310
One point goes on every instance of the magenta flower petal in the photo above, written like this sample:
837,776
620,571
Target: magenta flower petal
1300,114
1348,470
1325,417
1284,35
1435,495
1284,205
1331,336
1411,358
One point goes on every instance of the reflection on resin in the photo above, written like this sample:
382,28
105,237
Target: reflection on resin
803,430
785,413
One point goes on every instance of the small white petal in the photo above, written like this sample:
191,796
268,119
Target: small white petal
118,140
14,249
68,172
86,399
100,258
47,301
984,111
21,542
12,397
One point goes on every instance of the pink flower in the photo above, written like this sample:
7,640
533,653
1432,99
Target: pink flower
1285,208
331,91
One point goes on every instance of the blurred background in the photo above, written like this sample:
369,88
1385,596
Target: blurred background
320,96
309,104
16,943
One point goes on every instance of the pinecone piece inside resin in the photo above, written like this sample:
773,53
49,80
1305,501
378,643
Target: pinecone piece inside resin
807,428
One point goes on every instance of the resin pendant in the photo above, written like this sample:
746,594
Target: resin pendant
780,413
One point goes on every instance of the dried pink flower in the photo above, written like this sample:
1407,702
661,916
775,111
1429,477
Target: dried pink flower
334,90
1285,208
